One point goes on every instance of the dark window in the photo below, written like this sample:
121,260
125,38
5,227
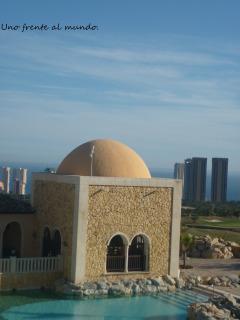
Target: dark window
56,243
137,254
12,240
46,244
116,255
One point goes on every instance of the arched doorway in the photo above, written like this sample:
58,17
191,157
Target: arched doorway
12,238
116,254
138,254
56,243
46,243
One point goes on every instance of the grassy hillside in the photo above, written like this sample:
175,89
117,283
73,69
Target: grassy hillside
226,235
213,221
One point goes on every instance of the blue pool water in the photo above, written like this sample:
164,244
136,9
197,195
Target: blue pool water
169,306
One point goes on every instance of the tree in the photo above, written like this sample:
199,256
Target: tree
9,204
186,241
194,218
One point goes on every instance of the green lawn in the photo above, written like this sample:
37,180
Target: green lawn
225,222
213,221
226,235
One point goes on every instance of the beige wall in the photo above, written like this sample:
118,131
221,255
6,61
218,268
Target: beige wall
28,232
131,211
54,204
33,280
88,211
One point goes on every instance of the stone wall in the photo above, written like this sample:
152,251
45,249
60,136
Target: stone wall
120,287
34,280
217,307
129,210
54,204
216,248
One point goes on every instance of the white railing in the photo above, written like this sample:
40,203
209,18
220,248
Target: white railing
5,265
38,264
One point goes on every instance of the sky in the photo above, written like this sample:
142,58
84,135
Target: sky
161,76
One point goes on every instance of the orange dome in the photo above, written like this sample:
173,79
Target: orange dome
110,159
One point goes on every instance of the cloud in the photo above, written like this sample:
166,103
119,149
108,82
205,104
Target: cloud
165,101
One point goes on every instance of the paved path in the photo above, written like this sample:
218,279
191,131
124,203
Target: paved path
214,267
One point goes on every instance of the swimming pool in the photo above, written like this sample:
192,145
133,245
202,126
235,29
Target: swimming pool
165,306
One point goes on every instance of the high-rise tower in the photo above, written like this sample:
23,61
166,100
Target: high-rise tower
23,180
219,179
19,180
199,174
6,179
195,172
187,179
179,172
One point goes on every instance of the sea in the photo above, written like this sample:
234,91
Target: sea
233,188
233,193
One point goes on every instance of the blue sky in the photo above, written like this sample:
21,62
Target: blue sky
160,76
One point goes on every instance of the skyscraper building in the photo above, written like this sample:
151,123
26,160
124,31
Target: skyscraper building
15,180
6,179
199,175
195,172
179,172
19,180
23,180
187,180
1,186
219,179
16,186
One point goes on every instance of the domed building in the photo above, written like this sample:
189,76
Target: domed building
109,159
105,216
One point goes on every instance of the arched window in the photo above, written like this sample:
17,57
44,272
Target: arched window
138,254
12,240
56,243
116,254
46,243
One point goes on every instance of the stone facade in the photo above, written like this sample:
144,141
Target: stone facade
129,210
89,211
54,204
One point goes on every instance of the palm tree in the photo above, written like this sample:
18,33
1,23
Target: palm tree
186,241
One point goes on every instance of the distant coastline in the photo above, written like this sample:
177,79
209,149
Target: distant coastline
233,178
233,193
